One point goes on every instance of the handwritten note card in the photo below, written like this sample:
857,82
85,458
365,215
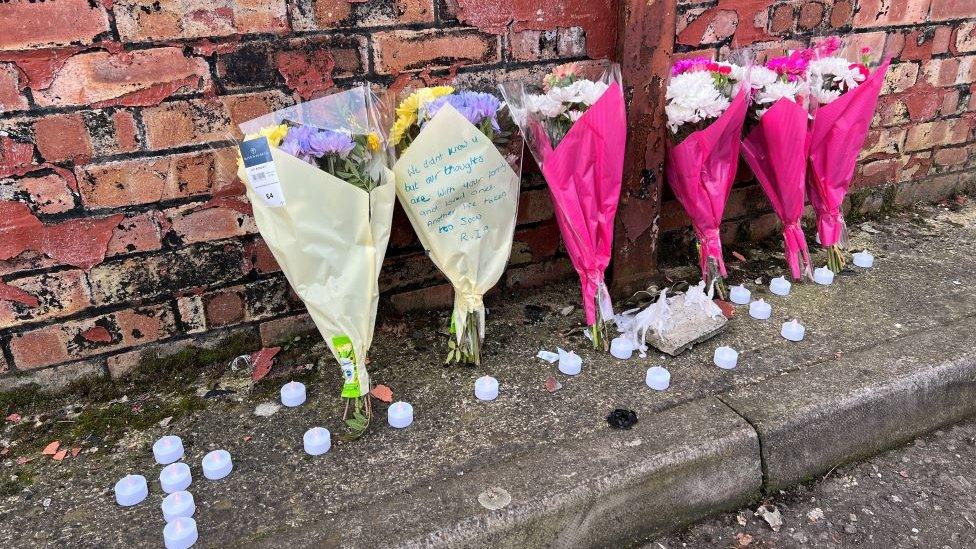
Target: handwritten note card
461,196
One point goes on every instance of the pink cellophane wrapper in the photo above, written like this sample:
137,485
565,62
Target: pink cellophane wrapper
836,137
584,173
776,150
701,170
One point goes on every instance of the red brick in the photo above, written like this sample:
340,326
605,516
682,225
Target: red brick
900,77
248,106
59,294
397,51
811,15
30,25
951,157
47,194
881,13
966,36
540,274
840,14
526,45
952,9
62,137
326,14
950,103
145,20
433,297
139,233
710,26
884,141
923,44
113,132
148,180
260,259
534,206
938,133
781,20
191,223
63,342
535,244
179,123
223,308
877,172
279,330
10,97
140,77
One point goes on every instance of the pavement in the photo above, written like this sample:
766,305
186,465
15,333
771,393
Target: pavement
889,354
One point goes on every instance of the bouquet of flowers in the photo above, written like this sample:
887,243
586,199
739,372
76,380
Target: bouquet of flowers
775,146
458,180
706,108
322,191
844,95
576,129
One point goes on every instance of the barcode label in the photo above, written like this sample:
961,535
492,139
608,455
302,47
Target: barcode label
261,174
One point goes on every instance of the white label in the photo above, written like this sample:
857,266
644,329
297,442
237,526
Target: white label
261,173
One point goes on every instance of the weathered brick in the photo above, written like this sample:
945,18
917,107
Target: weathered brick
11,99
841,14
432,297
279,330
966,36
248,106
148,180
539,274
30,25
535,244
941,132
900,77
325,14
262,64
782,19
66,341
192,316
913,166
881,13
62,137
409,270
397,51
811,15
251,302
883,141
534,206
195,223
140,77
138,233
112,131
571,42
186,122
877,172
951,157
58,294
952,9
922,44
203,265
46,194
707,26
145,20
259,258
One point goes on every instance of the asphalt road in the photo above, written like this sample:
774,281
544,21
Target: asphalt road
920,495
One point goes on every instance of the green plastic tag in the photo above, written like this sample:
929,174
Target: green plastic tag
347,361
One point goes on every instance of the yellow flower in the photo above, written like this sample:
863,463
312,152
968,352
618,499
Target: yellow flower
275,134
373,141
407,110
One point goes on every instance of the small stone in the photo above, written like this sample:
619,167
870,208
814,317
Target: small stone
266,409
852,517
46,503
850,529
494,498
815,514
771,515
165,421
567,310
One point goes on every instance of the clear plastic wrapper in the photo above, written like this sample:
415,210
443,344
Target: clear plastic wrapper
575,125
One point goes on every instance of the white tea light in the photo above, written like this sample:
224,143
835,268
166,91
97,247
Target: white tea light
740,295
168,449
175,477
622,348
657,378
486,388
726,358
130,490
293,394
400,414
180,533
823,276
864,259
217,464
760,310
570,363
793,330
317,441
780,286
178,504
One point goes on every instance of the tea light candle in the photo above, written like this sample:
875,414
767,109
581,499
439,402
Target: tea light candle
175,477
400,414
759,309
780,286
178,504
180,533
168,449
740,295
726,358
864,259
570,363
622,348
823,276
130,490
486,388
793,330
317,441
217,464
658,378
293,394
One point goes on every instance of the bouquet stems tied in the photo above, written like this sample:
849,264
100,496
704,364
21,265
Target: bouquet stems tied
836,258
715,277
469,350
598,333
358,421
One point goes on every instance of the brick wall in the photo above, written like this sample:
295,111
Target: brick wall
922,145
122,223
123,226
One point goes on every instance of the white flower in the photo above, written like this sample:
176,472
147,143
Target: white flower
835,74
692,97
586,92
759,76
574,115
825,96
543,105
777,90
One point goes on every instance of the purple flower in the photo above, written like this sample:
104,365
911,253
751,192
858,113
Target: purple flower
307,142
476,107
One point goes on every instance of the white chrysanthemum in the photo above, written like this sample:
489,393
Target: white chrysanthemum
777,90
586,92
543,105
692,97
760,76
825,96
574,115
832,72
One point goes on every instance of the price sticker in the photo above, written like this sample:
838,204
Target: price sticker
261,173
